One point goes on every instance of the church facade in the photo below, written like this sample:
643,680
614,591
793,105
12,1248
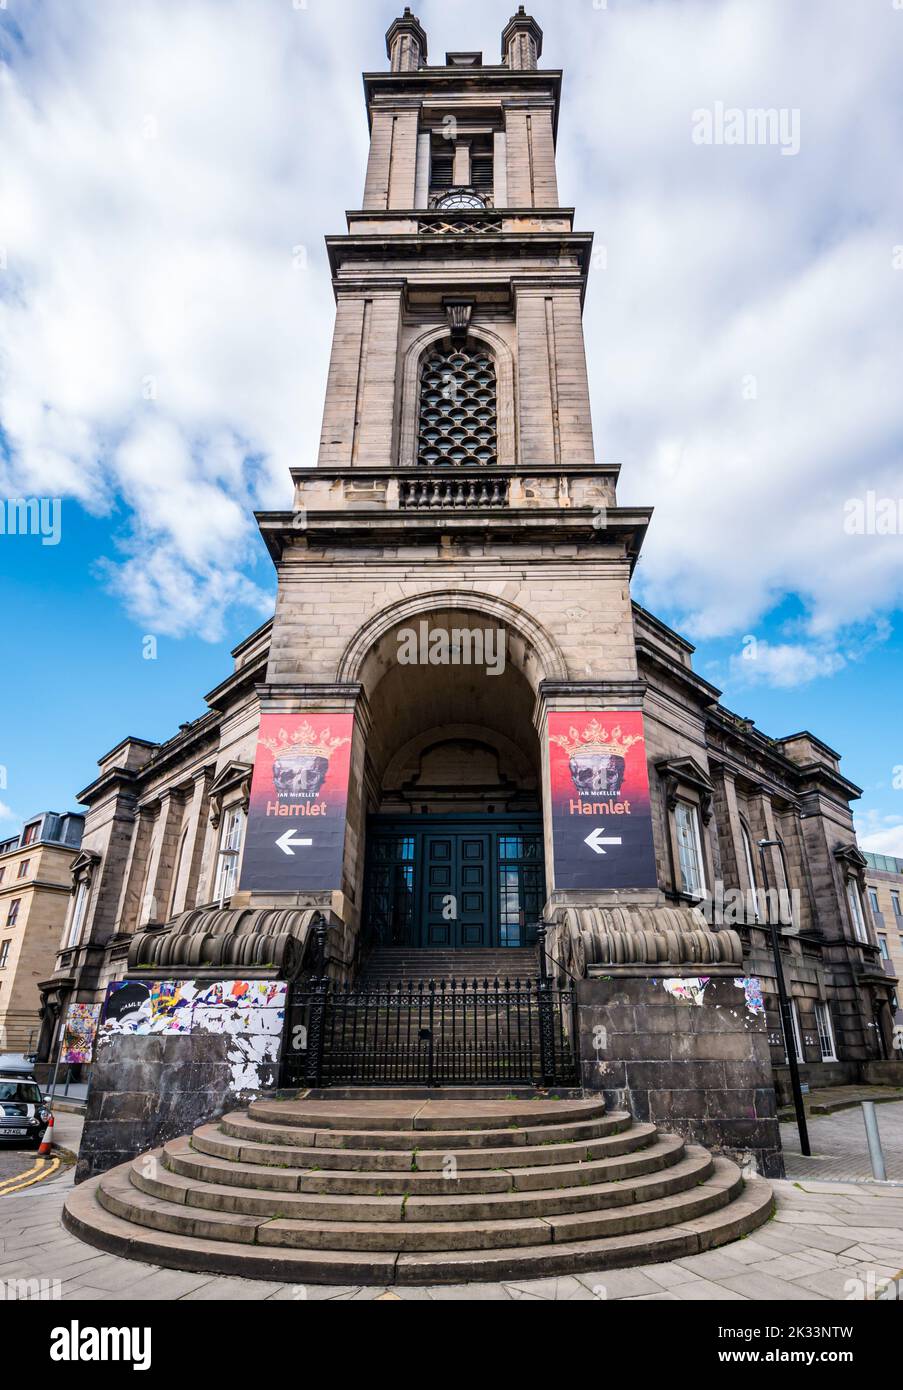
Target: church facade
460,742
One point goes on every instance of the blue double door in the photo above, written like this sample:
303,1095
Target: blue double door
468,882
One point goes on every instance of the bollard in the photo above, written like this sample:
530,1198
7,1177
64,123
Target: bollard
874,1140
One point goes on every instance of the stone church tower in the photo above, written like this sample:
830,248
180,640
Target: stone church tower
457,491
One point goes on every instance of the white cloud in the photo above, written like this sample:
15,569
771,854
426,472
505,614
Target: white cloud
744,339
162,159
7,813
880,834
783,664
162,344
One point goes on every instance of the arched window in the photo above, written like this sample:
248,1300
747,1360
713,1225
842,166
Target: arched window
458,409
749,856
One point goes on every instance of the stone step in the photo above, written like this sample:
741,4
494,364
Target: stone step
561,1187
103,1228
211,1139
423,1115
168,1201
242,1126
176,1175
636,1152
437,1236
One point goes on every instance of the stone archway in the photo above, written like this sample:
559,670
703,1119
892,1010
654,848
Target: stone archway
452,772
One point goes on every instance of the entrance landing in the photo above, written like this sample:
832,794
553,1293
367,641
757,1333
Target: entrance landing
418,1191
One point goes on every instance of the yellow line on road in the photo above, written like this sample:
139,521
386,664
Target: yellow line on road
17,1177
45,1168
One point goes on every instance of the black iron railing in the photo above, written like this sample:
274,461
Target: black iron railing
430,1033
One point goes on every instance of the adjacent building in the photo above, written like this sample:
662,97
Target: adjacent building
884,885
35,895
457,495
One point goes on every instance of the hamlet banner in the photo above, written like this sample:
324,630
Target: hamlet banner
601,818
299,793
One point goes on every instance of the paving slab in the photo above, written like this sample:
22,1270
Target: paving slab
705,1291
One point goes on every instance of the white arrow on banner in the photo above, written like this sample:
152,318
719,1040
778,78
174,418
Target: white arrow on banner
596,840
285,842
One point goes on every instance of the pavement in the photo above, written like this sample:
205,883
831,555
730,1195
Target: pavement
839,1146
828,1241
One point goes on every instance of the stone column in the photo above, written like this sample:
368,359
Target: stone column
360,416
530,142
392,163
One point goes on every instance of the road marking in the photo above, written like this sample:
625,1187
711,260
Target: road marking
45,1168
596,840
285,842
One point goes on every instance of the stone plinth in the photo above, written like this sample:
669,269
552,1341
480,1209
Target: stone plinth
690,1056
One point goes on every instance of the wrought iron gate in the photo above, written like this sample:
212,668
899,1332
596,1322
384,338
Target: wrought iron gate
431,1033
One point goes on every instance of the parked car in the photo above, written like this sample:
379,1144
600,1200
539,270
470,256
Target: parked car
23,1111
17,1064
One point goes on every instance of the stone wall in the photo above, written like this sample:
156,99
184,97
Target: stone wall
689,1055
148,1089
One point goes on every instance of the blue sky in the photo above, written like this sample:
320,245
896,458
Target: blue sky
165,319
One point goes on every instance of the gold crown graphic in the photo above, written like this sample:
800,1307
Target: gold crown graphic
304,739
596,739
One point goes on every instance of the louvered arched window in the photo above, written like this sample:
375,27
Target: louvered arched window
458,423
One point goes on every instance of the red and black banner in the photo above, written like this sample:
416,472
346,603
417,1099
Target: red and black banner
299,794
601,818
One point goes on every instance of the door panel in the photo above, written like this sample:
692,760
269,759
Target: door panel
452,884
462,914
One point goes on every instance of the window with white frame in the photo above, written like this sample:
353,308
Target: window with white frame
825,1031
689,850
229,852
854,898
78,914
4,953
882,947
750,869
177,870
873,899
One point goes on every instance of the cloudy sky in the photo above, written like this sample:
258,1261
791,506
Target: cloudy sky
169,170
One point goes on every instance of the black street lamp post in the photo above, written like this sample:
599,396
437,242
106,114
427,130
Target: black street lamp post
786,1015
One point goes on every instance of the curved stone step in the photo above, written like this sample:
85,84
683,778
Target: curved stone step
423,1115
171,1174
186,1158
85,1217
211,1139
240,1125
722,1185
132,1201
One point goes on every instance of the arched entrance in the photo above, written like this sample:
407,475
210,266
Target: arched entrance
454,838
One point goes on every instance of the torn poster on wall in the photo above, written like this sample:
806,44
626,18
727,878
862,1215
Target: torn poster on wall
79,1033
687,991
249,1013
239,1007
752,989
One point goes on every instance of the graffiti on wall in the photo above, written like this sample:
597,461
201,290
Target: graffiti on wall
250,1013
79,1032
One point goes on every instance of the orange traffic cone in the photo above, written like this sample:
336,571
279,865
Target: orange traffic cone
46,1143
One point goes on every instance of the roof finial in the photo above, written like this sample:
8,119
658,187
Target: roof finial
521,41
406,43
